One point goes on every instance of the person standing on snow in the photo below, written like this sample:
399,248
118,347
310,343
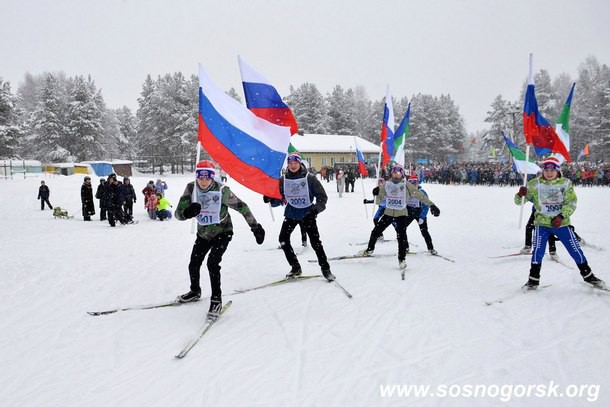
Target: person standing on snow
418,211
555,201
86,198
396,192
299,189
129,197
43,195
209,201
99,194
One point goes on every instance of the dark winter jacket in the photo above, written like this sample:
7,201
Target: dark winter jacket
43,192
86,198
100,194
316,190
128,193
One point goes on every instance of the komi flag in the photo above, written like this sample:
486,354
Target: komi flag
536,128
519,163
250,149
387,130
400,137
264,100
562,127
361,163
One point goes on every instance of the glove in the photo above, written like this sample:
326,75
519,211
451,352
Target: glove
259,233
266,199
522,191
434,210
367,201
135,200
556,221
192,210
376,191
311,215
421,221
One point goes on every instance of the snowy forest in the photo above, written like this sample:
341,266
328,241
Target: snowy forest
55,118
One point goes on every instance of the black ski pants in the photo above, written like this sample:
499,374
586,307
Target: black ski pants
311,228
216,247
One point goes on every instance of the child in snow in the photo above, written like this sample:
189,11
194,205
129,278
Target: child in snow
555,201
209,201
396,193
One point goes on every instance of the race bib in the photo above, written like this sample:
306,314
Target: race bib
396,195
210,207
413,202
296,192
551,198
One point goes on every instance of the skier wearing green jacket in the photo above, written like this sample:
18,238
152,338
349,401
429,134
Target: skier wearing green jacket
208,201
555,201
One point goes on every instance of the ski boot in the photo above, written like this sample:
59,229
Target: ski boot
215,307
294,272
191,296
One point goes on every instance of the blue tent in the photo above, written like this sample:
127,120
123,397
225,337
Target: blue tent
101,168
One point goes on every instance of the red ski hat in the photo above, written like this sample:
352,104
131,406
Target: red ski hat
413,179
205,169
551,163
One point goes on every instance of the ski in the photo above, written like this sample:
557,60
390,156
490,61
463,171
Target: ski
591,245
353,256
136,307
283,281
606,289
556,259
402,274
379,241
508,297
510,255
204,328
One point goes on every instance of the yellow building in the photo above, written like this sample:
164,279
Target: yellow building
328,150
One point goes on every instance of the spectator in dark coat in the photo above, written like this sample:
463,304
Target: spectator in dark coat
99,194
129,196
86,198
115,201
43,195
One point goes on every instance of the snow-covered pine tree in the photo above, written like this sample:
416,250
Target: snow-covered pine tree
309,108
47,123
341,111
11,130
85,116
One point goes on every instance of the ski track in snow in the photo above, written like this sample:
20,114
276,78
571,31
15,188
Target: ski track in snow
302,343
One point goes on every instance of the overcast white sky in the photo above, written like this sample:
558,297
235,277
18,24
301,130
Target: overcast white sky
470,49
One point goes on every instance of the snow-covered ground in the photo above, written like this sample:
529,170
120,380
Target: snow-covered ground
305,343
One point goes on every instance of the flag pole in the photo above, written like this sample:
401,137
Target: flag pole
193,195
524,176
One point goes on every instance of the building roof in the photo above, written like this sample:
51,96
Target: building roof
331,143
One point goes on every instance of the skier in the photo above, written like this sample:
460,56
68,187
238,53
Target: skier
86,198
43,195
299,189
418,211
396,192
555,201
208,201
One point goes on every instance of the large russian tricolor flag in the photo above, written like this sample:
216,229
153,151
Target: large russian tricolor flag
264,100
536,128
250,149
387,130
